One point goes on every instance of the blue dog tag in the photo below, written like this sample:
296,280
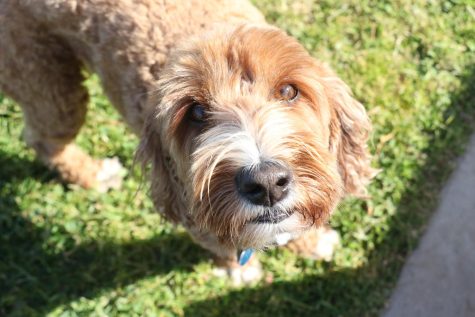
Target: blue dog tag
245,256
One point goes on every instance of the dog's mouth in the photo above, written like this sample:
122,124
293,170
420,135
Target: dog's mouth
272,217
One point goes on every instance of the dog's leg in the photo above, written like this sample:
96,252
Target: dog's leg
226,259
318,244
42,74
239,274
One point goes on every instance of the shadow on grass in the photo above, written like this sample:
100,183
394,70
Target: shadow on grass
331,294
33,281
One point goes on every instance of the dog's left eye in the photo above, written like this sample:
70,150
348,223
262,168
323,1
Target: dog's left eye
197,113
288,92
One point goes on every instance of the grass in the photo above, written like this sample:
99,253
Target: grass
65,251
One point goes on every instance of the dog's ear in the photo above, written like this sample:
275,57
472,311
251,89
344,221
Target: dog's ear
153,159
349,132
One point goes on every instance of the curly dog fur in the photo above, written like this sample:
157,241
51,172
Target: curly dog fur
214,93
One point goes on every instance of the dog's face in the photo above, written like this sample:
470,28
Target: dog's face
250,137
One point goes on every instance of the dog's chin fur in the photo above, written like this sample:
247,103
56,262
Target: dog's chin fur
263,235
236,74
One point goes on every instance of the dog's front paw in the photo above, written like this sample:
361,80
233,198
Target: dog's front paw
327,242
110,175
319,244
241,275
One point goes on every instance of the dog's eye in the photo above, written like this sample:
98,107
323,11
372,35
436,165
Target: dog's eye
197,112
288,92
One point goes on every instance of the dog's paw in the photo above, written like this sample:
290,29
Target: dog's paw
241,275
319,244
327,242
110,175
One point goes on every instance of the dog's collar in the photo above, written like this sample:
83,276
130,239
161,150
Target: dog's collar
244,256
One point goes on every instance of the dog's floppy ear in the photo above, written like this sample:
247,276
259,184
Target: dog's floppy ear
152,157
349,132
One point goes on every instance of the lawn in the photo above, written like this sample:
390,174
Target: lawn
66,251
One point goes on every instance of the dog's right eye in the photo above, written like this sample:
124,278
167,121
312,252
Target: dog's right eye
197,112
288,93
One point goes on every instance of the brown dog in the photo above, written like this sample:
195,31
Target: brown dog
250,140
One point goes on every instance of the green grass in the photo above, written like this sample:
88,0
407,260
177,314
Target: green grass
65,251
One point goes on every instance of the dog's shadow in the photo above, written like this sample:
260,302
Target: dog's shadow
81,271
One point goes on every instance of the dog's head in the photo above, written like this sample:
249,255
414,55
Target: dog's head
249,137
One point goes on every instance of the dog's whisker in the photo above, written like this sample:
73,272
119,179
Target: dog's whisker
216,157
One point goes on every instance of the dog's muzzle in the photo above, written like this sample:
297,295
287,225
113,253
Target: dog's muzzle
265,184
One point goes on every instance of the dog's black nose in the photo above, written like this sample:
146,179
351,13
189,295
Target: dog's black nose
264,184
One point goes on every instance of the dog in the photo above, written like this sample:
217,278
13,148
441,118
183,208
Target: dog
248,141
